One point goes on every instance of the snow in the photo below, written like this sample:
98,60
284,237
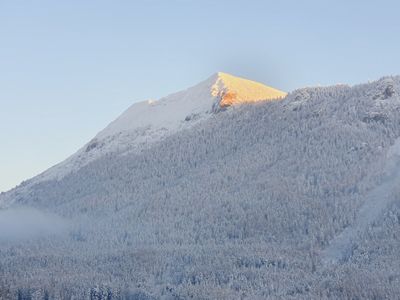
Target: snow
374,205
234,90
147,122
169,113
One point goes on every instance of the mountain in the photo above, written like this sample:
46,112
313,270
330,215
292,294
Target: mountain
291,199
148,122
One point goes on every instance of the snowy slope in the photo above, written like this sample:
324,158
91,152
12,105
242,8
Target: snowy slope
150,121
175,111
147,122
375,203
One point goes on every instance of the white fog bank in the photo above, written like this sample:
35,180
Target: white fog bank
26,223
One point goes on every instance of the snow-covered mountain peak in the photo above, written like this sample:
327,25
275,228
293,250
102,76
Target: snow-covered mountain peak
234,90
150,121
174,111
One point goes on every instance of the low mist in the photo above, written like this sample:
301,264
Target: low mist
26,223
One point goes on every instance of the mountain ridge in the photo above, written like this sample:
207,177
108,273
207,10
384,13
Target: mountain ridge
150,121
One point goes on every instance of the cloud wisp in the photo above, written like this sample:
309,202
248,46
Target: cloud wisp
24,223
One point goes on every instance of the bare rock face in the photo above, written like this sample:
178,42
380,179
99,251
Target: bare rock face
389,91
386,89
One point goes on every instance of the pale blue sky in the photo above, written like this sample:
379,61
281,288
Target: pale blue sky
68,68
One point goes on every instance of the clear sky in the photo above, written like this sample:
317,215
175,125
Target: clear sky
68,68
